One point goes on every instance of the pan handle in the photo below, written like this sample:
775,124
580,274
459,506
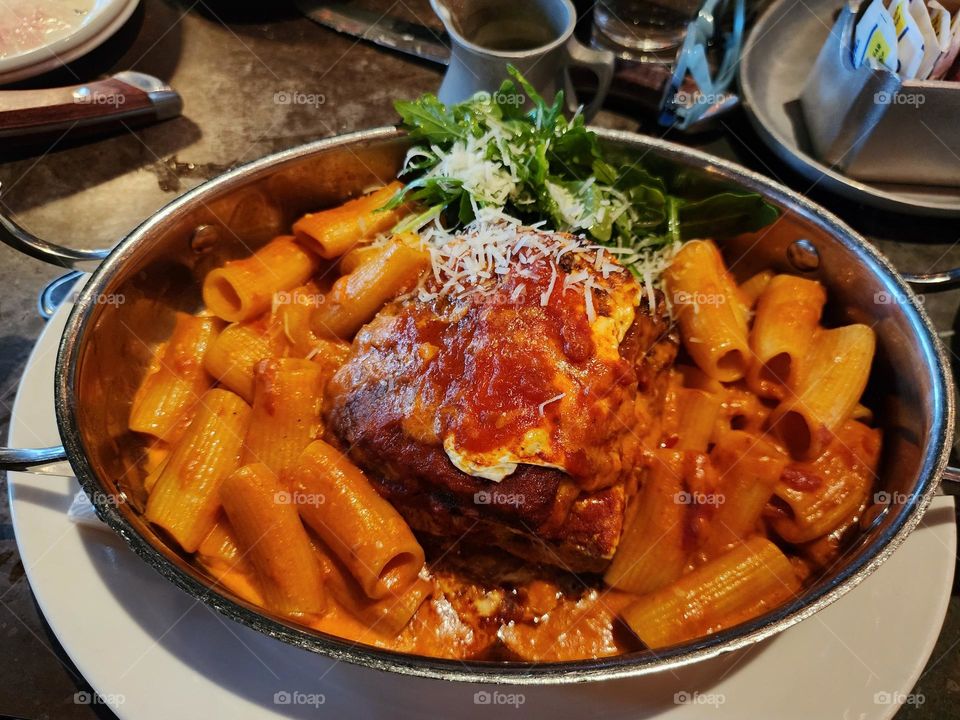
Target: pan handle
39,461
75,259
950,482
936,282
49,460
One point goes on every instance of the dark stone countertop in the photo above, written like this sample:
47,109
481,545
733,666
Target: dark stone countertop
229,61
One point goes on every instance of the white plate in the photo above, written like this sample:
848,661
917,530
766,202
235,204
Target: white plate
81,26
154,652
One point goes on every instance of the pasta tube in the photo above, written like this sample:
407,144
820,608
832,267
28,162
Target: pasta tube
185,498
788,315
752,288
333,232
162,403
233,356
243,289
698,411
219,550
286,412
269,530
711,313
651,552
749,468
829,492
828,389
357,297
361,528
388,615
743,582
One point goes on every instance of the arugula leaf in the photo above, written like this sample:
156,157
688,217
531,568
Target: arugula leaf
546,167
725,214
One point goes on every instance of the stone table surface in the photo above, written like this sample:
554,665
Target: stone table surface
232,63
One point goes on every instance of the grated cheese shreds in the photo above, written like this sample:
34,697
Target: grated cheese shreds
493,245
588,301
543,405
545,295
472,260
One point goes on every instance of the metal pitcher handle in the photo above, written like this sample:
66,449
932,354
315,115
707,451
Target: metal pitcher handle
600,63
50,460
937,282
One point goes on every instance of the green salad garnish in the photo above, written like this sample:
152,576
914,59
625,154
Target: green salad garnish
537,165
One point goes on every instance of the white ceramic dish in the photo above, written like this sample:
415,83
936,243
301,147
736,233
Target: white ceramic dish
91,24
155,652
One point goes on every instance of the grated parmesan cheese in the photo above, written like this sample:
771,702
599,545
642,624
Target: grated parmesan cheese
543,405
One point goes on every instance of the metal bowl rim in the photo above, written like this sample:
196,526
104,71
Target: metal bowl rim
935,455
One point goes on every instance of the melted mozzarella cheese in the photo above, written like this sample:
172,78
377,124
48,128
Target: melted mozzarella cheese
534,448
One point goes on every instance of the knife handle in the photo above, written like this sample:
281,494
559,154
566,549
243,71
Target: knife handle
126,98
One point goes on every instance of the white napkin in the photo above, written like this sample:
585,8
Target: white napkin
82,512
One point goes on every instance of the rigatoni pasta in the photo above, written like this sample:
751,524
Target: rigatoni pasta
749,469
185,499
268,529
752,576
390,614
712,316
361,528
652,551
243,289
829,385
234,354
787,317
286,412
817,497
336,231
379,277
162,403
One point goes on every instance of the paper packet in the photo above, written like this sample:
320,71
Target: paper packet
949,37
910,46
875,37
931,41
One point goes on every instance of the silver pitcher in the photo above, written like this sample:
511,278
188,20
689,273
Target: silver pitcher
535,36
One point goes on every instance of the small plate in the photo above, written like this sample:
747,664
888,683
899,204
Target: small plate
52,33
777,57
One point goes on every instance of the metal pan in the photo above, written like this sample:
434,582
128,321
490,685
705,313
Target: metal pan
157,269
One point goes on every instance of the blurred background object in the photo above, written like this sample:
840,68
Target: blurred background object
635,28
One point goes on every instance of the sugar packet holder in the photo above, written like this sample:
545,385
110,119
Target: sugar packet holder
871,125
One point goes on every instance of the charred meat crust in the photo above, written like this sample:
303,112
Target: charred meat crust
385,409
